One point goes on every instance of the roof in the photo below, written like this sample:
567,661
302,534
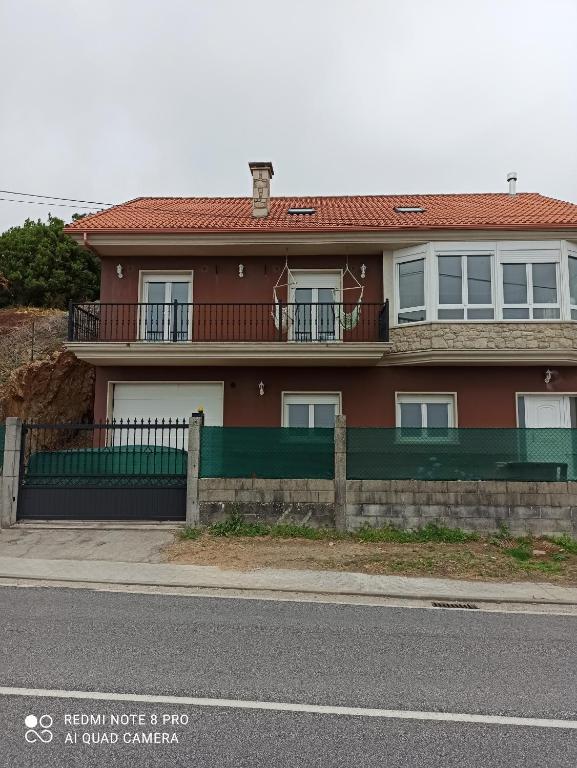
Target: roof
222,215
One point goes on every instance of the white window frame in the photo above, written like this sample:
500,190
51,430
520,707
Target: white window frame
311,399
145,277
465,306
403,257
528,260
315,279
571,254
424,398
501,252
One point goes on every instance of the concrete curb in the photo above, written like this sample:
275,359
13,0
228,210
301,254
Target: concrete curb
270,580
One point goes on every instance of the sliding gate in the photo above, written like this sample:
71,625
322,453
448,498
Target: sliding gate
110,471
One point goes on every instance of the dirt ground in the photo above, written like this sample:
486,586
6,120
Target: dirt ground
481,560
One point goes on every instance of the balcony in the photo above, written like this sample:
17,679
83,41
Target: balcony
229,334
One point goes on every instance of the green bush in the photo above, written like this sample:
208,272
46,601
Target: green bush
40,266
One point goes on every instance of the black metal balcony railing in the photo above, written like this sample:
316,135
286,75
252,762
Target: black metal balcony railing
179,322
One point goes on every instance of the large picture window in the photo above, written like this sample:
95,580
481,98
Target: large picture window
530,291
505,280
465,287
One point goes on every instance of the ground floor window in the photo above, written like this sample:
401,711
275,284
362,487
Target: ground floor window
318,409
422,411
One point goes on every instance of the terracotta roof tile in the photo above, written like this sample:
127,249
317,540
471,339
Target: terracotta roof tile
333,214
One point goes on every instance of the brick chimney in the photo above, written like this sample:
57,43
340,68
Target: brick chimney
262,173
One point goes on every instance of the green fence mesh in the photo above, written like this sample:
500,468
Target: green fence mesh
462,454
2,437
266,452
105,466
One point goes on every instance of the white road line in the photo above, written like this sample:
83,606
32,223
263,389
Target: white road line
279,706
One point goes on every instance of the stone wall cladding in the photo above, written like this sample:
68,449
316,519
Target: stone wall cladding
482,506
473,336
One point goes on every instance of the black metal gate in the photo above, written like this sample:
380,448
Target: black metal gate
110,471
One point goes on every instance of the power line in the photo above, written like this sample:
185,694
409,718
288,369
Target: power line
53,205
50,197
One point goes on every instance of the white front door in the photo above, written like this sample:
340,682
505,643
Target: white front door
313,295
167,313
549,437
547,411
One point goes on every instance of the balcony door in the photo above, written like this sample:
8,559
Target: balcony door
166,312
313,296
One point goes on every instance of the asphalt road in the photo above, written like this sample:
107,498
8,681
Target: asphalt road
454,662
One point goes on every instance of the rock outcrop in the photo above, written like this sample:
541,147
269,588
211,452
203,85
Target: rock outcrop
57,389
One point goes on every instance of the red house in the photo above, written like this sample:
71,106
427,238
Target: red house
407,310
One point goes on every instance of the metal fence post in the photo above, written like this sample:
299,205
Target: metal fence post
341,473
10,480
192,471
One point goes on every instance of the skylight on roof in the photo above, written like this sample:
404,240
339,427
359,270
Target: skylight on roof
409,209
306,211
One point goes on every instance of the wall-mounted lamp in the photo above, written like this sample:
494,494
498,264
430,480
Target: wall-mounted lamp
548,376
241,270
363,271
261,388
119,273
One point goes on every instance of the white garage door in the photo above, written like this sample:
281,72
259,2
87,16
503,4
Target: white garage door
169,401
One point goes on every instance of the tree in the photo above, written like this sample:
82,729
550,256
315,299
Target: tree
41,266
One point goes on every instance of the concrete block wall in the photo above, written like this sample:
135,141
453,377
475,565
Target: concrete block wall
305,502
9,477
524,507
480,506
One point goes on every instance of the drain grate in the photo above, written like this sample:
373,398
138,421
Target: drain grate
468,606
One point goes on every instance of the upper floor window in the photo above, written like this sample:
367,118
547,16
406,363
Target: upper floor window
530,291
411,283
573,286
484,281
165,308
465,288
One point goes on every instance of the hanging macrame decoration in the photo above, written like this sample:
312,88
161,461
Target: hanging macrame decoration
349,320
282,315
280,312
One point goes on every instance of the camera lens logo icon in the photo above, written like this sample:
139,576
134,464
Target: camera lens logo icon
38,729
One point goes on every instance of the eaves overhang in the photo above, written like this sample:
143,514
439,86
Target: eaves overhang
485,357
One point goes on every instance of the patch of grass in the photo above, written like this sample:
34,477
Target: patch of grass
543,566
566,542
190,533
236,525
503,531
520,552
293,531
430,533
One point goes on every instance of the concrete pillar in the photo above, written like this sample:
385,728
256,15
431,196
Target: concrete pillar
341,473
10,472
192,470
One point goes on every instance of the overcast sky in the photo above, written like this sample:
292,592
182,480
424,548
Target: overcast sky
115,99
